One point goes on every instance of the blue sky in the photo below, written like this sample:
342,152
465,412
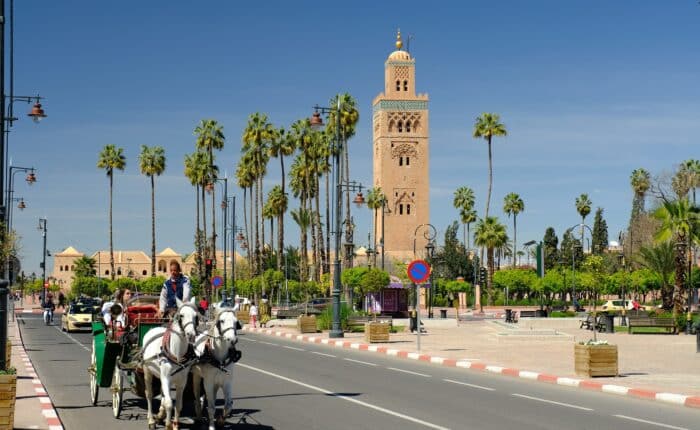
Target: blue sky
589,90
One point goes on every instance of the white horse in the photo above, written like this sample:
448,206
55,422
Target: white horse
165,357
217,354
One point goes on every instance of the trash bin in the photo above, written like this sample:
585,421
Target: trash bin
413,317
609,320
509,315
540,313
443,313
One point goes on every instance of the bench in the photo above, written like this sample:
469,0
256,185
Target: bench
288,313
356,321
527,314
647,321
588,323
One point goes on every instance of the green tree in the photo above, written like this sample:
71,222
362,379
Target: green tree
464,203
693,168
152,164
375,201
281,146
600,233
302,217
680,222
640,180
659,259
490,234
88,286
84,267
488,126
111,158
453,257
513,205
550,243
210,136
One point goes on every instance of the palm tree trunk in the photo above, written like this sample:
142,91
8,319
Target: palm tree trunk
374,239
261,195
280,221
314,243
319,228
250,236
678,289
345,176
205,248
198,233
256,265
489,280
464,232
213,219
515,240
488,197
245,223
153,226
468,235
111,242
328,221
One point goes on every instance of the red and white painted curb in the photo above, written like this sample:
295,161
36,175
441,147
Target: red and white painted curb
47,408
677,399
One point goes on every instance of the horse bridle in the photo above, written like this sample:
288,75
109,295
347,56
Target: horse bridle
178,318
218,324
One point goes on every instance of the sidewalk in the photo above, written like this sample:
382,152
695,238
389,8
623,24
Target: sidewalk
660,367
33,407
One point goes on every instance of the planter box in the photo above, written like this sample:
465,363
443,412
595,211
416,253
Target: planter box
243,317
8,394
595,360
376,332
306,324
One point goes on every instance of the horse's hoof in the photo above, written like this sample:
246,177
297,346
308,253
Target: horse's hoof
151,426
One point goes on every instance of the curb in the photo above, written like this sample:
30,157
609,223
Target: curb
666,397
47,408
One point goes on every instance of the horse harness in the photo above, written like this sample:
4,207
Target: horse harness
233,354
189,357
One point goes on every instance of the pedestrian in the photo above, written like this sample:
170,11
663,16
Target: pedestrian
61,300
176,286
253,312
413,318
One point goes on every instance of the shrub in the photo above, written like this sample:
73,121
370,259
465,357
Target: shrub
562,314
324,320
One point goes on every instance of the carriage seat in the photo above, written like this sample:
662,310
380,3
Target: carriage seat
141,313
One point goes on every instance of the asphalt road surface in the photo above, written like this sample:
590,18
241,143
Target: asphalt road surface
282,384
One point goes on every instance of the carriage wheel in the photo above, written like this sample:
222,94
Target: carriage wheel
94,387
117,392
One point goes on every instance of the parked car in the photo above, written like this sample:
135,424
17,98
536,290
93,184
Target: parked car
617,305
78,317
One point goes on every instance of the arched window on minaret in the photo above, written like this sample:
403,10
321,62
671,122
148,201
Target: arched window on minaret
408,209
400,161
398,85
408,161
392,124
400,209
408,126
405,85
400,126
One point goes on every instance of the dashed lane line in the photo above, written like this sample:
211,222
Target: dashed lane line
293,347
552,402
360,362
481,387
654,423
72,338
323,354
409,372
351,400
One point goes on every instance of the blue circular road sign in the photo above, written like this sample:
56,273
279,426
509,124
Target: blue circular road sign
418,271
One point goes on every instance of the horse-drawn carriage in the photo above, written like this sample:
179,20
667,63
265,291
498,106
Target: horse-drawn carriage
116,349
152,355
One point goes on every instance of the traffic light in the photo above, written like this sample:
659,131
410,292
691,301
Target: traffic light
208,266
482,275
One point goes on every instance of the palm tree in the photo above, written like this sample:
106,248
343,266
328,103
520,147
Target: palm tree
245,180
111,158
152,164
467,218
640,180
281,146
210,136
513,205
302,217
278,201
693,169
487,126
464,202
375,201
680,222
194,174
490,234
660,259
84,267
583,207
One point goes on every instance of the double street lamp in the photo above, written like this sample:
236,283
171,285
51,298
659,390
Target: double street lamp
316,123
573,260
429,234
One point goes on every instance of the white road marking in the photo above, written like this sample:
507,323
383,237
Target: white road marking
358,361
72,338
668,426
481,387
249,340
340,396
269,343
409,372
293,347
323,354
568,405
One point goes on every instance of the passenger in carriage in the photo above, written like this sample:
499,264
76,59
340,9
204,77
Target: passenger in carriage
176,286
114,310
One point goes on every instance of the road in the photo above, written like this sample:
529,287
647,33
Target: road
282,384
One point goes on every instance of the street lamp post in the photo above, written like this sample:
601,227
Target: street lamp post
573,260
527,246
429,234
316,122
385,210
43,229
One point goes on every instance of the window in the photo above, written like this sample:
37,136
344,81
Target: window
400,126
408,209
408,126
400,209
396,194
119,271
407,161
72,268
60,268
405,85
400,161
143,273
106,272
398,85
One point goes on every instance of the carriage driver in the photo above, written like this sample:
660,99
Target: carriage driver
178,285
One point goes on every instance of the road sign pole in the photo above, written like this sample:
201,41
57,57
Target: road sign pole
417,316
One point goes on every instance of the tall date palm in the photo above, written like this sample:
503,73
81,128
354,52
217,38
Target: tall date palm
111,158
488,126
152,164
490,234
513,205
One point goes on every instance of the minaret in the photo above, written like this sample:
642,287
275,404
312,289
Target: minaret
401,157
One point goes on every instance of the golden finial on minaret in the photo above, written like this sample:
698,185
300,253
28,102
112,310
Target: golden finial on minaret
399,43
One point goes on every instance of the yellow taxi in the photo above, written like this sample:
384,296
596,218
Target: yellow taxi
77,317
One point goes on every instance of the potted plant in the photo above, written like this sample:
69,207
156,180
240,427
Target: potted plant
595,358
8,394
372,283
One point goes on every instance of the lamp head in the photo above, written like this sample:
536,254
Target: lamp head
316,121
31,178
359,199
37,113
21,206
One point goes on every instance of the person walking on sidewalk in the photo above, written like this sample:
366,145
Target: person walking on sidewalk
253,312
